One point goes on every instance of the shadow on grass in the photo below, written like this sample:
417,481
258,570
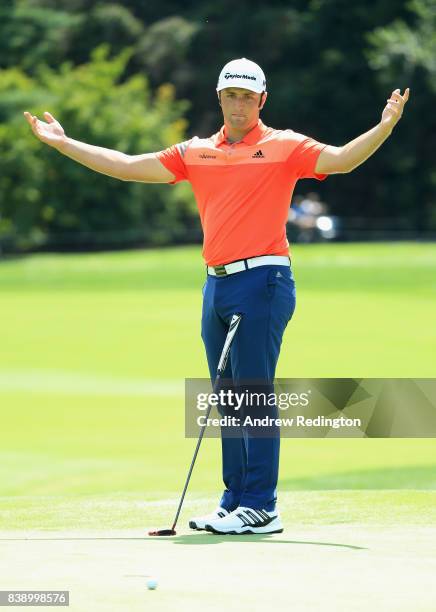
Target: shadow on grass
203,539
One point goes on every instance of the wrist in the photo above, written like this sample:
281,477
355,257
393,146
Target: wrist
386,128
62,144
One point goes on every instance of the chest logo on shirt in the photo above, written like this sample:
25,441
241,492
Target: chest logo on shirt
204,156
258,155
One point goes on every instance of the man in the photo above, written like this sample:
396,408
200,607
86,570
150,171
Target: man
243,178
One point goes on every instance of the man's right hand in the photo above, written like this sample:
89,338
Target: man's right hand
50,132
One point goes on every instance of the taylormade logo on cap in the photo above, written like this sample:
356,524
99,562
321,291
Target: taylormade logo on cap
242,73
239,76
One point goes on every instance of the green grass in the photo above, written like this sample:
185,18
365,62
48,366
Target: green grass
297,508
94,349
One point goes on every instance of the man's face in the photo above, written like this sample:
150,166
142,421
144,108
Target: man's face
240,107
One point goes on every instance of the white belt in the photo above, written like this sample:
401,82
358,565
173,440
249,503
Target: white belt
246,264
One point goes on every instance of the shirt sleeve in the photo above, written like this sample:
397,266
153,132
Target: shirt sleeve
173,160
304,156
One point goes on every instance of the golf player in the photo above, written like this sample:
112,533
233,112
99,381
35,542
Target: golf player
243,178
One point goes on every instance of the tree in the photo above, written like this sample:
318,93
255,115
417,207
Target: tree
47,199
403,51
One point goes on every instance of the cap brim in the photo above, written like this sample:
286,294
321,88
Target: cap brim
242,84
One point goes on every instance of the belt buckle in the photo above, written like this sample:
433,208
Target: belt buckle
220,270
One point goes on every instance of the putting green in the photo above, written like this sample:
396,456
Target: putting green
94,351
340,550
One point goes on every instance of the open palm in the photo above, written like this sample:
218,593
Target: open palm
50,132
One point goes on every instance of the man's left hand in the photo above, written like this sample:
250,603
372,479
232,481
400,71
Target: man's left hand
394,108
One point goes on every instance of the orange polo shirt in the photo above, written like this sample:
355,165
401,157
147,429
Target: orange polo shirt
243,190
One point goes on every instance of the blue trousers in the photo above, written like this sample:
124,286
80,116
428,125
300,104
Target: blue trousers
266,298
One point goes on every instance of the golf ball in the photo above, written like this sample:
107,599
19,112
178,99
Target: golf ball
151,584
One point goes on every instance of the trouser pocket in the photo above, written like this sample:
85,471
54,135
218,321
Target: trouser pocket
271,282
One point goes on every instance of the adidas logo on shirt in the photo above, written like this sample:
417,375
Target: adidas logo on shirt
258,154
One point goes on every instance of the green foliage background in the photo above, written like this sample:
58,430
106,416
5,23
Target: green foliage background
139,76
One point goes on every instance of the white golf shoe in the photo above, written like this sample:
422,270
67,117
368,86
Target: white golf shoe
246,520
199,522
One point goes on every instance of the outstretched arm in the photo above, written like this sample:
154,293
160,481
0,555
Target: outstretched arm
142,168
336,160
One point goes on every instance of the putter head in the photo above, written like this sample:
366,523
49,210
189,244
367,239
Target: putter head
162,532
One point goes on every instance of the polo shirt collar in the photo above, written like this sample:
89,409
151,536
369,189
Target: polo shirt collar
252,137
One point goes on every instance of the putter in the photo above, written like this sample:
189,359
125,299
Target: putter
236,319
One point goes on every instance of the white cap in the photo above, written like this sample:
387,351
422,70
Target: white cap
242,73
